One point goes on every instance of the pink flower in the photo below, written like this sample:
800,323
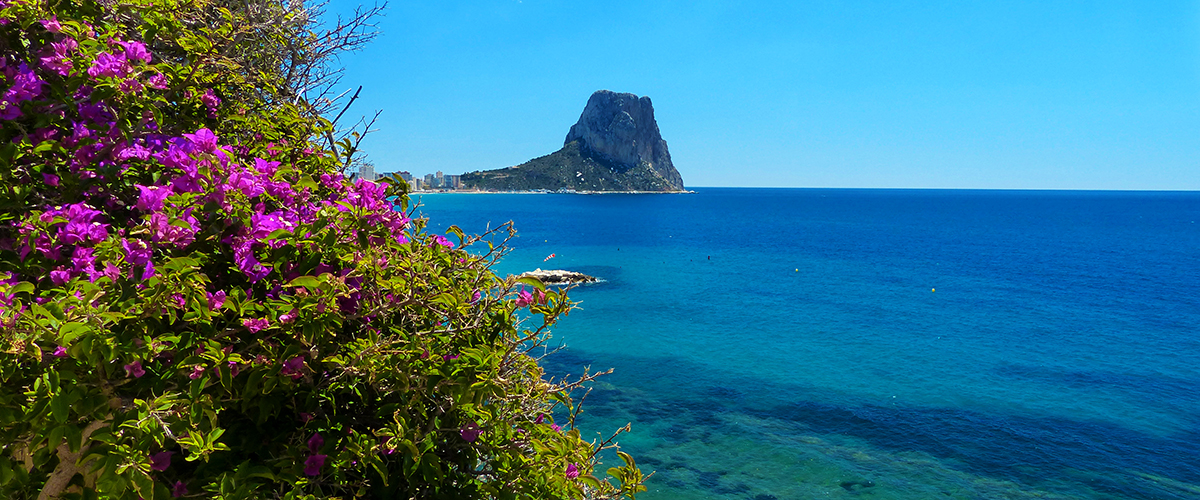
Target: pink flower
157,81
524,298
106,64
161,461
266,167
255,325
216,300
151,198
204,140
135,369
572,471
470,432
131,86
136,51
292,367
209,99
197,372
289,317
50,179
179,490
52,25
441,240
312,466
60,352
315,442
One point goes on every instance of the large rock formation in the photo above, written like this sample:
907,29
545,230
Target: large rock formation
615,146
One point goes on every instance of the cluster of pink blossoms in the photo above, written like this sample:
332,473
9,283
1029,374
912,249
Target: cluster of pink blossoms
81,239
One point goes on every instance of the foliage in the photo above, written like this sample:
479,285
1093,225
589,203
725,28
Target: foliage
572,167
195,303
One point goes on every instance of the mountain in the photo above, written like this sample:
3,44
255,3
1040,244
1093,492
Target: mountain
615,146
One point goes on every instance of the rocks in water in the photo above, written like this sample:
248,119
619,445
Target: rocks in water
559,277
615,146
856,485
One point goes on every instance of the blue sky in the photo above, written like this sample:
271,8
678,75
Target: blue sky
891,94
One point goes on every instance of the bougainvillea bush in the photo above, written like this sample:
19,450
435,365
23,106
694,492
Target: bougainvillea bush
195,303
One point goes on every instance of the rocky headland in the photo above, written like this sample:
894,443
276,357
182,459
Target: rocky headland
615,146
559,277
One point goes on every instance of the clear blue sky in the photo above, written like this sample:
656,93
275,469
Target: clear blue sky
932,94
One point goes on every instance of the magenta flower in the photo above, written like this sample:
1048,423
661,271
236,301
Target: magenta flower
60,352
312,466
216,300
470,432
136,51
165,230
289,317
315,442
52,25
157,81
255,325
209,99
151,198
138,254
106,64
161,461
135,369
179,490
60,276
441,240
50,179
197,372
266,167
556,427
292,367
524,298
132,86
58,59
204,140
572,471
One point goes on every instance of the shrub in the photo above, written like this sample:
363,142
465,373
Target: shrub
195,303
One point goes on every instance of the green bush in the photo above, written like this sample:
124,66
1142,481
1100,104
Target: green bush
195,303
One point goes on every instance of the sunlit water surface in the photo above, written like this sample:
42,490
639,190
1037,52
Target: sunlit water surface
890,344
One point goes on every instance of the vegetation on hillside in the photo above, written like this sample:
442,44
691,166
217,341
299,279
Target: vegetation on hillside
571,167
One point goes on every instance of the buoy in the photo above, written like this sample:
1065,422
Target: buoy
933,289
797,270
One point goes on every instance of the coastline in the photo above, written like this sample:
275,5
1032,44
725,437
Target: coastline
543,191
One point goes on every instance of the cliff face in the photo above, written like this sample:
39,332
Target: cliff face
621,128
615,146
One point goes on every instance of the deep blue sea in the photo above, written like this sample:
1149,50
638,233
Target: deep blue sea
883,344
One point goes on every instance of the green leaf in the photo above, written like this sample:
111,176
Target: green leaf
70,331
23,286
59,407
305,281
533,282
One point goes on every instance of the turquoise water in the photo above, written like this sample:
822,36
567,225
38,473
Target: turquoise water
812,343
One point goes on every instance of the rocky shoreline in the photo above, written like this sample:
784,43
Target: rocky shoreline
559,277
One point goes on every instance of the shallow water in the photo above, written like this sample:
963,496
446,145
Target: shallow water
804,343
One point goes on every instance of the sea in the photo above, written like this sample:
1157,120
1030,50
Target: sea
772,344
